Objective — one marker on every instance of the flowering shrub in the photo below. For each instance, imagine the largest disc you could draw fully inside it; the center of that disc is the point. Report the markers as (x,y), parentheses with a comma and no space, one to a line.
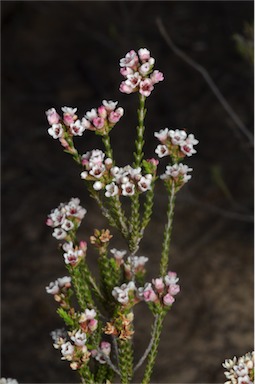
(98,342)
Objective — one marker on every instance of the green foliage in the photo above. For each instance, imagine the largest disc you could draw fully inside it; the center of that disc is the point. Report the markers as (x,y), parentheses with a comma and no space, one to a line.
(66,317)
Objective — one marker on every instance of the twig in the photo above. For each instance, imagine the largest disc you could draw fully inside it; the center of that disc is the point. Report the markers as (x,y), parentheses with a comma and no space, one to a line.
(109,362)
(208,79)
(147,351)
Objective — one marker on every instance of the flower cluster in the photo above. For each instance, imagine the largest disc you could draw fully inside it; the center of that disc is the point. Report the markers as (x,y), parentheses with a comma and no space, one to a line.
(67,217)
(68,124)
(135,264)
(125,294)
(161,290)
(74,254)
(175,143)
(137,68)
(177,173)
(60,289)
(103,119)
(115,180)
(121,327)
(241,370)
(75,349)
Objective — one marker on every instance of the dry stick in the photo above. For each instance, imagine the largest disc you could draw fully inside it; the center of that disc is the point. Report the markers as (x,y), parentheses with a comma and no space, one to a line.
(208,79)
(147,351)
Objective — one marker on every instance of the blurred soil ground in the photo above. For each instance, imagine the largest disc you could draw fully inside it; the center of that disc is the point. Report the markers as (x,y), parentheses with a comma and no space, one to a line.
(66,53)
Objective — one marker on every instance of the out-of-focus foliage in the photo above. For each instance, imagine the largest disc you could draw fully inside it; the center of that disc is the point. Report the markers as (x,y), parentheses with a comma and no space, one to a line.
(245,43)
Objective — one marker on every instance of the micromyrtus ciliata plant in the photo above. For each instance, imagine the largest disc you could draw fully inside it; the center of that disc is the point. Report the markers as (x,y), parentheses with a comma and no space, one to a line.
(98,342)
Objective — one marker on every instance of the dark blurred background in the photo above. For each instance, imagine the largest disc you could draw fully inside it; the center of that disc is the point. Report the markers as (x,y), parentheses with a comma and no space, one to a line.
(67,53)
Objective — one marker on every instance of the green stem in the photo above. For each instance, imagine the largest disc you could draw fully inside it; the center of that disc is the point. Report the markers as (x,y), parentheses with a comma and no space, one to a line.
(168,231)
(139,143)
(107,145)
(156,332)
(148,206)
(86,375)
(134,229)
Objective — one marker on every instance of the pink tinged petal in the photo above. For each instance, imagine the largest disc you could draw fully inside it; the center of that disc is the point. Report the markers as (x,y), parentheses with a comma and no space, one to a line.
(115,116)
(149,295)
(159,284)
(85,123)
(102,112)
(133,80)
(126,71)
(77,128)
(146,87)
(98,122)
(52,116)
(125,88)
(130,60)
(90,115)
(173,289)
(156,77)
(92,324)
(168,299)
(68,119)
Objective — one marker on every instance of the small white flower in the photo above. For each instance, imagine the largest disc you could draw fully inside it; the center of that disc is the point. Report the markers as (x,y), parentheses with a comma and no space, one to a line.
(77,128)
(85,123)
(144,183)
(90,314)
(62,281)
(177,136)
(191,139)
(162,134)
(188,149)
(144,69)
(71,111)
(161,150)
(118,254)
(56,131)
(110,105)
(79,338)
(128,189)
(90,115)
(97,170)
(133,80)
(144,54)
(67,225)
(111,190)
(67,350)
(72,256)
(59,233)
(53,288)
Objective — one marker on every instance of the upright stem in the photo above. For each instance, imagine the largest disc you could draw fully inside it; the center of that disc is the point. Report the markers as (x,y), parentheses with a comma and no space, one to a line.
(139,143)
(107,144)
(156,332)
(168,231)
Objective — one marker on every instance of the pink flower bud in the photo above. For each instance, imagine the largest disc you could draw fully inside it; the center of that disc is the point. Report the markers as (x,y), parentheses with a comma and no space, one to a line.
(149,295)
(159,284)
(49,222)
(68,119)
(102,111)
(115,116)
(83,246)
(153,161)
(168,299)
(52,116)
(92,324)
(98,122)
